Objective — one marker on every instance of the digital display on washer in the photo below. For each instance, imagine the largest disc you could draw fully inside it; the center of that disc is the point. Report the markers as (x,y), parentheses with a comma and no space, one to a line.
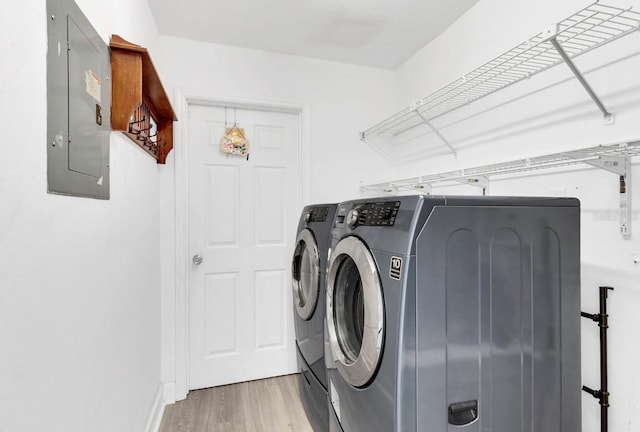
(379,213)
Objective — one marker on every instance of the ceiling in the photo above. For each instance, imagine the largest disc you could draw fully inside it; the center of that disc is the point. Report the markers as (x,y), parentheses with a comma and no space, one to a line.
(377,33)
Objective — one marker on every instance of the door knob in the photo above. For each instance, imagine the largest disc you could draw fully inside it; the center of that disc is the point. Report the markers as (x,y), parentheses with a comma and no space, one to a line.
(197,259)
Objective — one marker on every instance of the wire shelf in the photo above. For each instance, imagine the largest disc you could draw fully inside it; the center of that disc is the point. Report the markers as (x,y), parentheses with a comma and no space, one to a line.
(591,155)
(590,28)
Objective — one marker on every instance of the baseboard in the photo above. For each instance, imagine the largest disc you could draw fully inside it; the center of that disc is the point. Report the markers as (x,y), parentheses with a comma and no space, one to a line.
(169,390)
(157,410)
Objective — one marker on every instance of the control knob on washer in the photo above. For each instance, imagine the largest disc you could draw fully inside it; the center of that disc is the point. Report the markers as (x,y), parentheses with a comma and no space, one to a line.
(352,218)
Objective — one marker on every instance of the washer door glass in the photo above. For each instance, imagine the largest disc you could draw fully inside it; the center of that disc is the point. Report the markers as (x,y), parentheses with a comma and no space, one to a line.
(305,269)
(355,311)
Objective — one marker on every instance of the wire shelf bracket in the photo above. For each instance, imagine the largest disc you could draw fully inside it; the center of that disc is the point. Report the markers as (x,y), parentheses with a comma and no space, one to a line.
(481,182)
(592,27)
(613,158)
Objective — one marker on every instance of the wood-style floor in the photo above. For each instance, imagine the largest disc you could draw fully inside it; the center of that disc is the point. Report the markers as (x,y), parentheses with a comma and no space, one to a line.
(269,405)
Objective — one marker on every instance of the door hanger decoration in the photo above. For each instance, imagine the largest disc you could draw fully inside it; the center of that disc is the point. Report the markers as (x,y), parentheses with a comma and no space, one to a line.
(233,140)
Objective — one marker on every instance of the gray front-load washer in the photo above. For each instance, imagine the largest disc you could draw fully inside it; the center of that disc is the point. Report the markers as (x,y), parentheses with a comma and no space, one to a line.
(308,268)
(455,314)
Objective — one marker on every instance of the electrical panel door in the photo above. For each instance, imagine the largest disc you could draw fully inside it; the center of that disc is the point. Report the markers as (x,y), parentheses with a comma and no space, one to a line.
(78,101)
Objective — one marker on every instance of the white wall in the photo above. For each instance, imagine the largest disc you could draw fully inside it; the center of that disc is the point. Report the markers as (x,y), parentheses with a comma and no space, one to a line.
(79,278)
(548,113)
(339,101)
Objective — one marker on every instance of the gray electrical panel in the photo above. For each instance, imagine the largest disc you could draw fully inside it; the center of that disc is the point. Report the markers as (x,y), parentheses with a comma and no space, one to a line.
(78,103)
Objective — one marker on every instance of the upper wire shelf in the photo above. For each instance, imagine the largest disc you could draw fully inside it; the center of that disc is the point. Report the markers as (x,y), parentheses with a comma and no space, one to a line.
(590,28)
(606,156)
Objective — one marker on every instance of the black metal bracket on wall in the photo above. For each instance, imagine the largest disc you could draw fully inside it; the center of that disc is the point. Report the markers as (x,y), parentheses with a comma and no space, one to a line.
(602,395)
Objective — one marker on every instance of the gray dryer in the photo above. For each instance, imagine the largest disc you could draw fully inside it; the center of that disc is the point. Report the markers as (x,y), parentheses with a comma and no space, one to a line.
(308,268)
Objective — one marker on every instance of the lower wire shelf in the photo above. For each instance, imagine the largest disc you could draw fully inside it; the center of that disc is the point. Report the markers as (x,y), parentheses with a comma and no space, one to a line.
(615,158)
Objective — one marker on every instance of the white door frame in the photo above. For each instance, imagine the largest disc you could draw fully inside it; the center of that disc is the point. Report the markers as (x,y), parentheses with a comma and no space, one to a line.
(179,389)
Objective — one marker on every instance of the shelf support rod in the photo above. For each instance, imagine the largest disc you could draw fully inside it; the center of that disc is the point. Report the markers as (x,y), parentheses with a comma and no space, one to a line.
(609,118)
(437,132)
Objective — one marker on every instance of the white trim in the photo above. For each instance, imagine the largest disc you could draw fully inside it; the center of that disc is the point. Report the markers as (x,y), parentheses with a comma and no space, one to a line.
(181,183)
(246,103)
(169,393)
(156,413)
(305,155)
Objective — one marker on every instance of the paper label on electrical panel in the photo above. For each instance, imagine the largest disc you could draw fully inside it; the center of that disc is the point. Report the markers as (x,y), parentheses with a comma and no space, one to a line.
(395,268)
(93,86)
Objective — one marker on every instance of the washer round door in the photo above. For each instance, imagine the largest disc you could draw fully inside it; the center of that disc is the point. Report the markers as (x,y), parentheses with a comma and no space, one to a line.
(355,311)
(305,268)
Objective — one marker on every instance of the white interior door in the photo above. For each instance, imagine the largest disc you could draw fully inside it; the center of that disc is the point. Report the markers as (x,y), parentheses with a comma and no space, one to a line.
(242,222)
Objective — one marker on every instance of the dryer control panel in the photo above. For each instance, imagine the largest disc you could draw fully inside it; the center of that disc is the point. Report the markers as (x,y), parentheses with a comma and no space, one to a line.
(317,214)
